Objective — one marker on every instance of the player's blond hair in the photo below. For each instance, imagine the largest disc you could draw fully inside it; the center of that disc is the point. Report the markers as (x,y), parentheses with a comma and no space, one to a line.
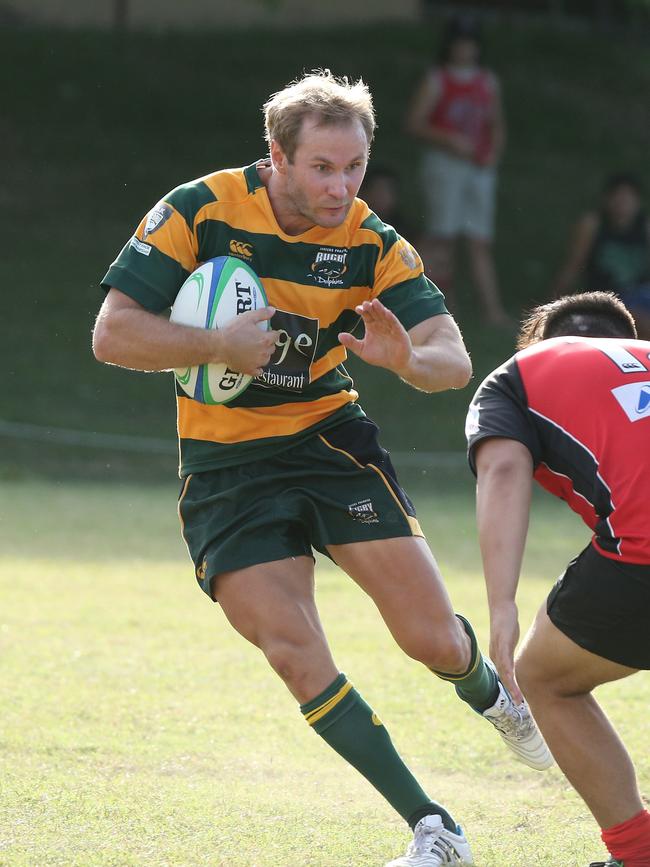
(333,101)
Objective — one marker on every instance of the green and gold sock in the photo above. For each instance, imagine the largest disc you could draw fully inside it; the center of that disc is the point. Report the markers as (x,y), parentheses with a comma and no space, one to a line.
(344,721)
(478,685)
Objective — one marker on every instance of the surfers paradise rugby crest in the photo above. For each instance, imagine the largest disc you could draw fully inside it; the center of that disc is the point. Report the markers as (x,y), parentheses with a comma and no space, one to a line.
(313,280)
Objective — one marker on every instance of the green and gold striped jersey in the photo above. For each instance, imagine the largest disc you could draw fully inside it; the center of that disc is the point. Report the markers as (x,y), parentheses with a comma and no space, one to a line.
(314,281)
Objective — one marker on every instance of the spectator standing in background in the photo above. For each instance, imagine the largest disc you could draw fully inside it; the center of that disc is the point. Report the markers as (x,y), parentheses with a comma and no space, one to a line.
(610,249)
(457,112)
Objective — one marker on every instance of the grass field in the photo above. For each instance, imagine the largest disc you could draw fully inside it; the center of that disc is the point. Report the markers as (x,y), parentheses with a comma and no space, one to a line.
(137,729)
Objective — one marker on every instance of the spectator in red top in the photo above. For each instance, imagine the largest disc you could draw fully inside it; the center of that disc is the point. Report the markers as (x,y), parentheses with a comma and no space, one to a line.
(457,111)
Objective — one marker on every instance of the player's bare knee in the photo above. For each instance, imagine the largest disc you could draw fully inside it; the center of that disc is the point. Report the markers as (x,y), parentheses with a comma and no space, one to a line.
(533,678)
(525,674)
(441,651)
(291,662)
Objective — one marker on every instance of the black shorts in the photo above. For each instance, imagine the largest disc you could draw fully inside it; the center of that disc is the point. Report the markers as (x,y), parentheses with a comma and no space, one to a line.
(331,489)
(603,605)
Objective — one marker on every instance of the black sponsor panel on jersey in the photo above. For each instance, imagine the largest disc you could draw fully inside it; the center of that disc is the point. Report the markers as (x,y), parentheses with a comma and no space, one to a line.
(289,368)
(334,381)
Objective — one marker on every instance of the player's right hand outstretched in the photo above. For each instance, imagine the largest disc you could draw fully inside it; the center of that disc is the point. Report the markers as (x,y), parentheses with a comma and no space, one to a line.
(243,346)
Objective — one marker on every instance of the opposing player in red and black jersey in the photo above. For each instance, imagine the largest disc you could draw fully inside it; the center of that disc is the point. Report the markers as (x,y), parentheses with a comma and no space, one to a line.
(572,410)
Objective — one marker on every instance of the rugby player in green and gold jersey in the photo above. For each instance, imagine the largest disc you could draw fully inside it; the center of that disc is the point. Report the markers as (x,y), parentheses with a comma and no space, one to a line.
(293,464)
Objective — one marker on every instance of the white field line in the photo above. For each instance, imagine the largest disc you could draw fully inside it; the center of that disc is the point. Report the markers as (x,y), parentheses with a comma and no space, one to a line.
(158,445)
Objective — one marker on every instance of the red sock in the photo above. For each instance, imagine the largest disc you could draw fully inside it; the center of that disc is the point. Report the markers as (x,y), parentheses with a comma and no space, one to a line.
(629,842)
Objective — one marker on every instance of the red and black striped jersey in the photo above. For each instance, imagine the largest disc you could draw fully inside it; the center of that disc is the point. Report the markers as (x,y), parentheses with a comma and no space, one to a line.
(581,405)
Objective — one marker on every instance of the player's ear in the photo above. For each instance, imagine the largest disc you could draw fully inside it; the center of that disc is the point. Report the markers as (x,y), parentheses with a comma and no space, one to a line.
(278,157)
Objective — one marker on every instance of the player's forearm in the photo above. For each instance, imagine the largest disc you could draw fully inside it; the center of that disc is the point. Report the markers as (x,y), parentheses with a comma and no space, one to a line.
(437,368)
(141,340)
(503,506)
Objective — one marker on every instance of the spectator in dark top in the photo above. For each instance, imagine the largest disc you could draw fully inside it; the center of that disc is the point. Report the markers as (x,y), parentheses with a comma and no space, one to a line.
(610,249)
(457,113)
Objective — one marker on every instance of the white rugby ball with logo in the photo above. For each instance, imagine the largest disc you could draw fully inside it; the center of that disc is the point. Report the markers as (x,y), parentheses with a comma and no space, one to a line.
(213,295)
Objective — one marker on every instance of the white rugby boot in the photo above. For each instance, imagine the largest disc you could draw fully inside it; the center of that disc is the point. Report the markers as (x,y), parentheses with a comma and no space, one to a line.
(434,846)
(519,731)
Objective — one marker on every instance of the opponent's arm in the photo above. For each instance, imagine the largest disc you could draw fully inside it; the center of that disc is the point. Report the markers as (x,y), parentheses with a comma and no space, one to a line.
(128,335)
(431,356)
(504,470)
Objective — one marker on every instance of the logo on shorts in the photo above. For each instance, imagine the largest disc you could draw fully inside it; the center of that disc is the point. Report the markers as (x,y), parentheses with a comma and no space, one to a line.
(329,266)
(241,248)
(363,512)
(158,216)
(202,569)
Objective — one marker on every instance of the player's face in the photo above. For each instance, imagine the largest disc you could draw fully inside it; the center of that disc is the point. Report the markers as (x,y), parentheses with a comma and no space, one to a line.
(320,184)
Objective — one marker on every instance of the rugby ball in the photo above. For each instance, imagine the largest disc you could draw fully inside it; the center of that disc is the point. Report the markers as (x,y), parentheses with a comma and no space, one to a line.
(218,291)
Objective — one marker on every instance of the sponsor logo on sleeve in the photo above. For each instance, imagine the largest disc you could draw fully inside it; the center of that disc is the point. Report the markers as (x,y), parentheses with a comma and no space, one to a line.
(408,255)
(634,399)
(157,217)
(140,246)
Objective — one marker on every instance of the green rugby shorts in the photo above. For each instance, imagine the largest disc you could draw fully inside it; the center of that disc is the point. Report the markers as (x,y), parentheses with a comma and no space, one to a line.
(331,489)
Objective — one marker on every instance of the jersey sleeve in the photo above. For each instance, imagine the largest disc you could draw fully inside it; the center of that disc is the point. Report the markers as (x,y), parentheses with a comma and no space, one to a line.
(400,282)
(500,409)
(155,262)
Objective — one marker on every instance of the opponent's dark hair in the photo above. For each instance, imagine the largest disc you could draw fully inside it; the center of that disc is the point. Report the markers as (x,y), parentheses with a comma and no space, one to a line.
(586,314)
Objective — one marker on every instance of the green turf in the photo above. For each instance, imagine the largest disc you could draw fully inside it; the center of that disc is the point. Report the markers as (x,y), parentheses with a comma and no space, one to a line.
(95,131)
(137,729)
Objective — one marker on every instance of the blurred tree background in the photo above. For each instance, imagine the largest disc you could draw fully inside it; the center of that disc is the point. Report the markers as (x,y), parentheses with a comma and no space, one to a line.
(98,125)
